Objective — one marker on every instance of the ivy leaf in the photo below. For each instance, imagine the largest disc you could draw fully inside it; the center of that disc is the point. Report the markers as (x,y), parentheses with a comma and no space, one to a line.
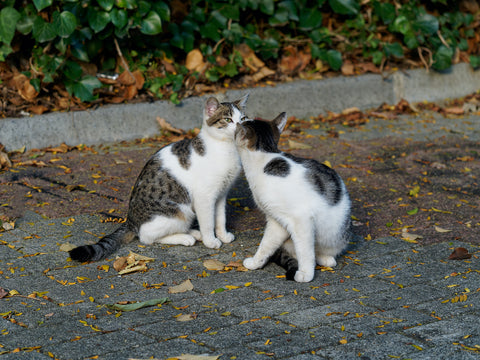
(152,24)
(64,23)
(345,7)
(98,20)
(119,17)
(137,305)
(442,58)
(475,61)
(83,89)
(43,31)
(310,19)
(427,23)
(394,49)
(334,59)
(42,4)
(106,4)
(8,21)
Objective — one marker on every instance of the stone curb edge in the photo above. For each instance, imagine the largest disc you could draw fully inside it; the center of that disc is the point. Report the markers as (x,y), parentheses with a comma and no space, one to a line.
(301,98)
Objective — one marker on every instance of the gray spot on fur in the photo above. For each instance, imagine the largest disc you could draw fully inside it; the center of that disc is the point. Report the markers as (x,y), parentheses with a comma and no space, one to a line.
(325,180)
(183,149)
(156,192)
(277,167)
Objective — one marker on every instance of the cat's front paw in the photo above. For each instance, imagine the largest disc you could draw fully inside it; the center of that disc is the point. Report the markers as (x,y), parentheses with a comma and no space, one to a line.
(250,263)
(227,237)
(212,243)
(301,276)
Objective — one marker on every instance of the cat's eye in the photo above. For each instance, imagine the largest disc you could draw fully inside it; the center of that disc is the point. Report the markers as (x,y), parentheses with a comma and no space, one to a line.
(244,118)
(228,120)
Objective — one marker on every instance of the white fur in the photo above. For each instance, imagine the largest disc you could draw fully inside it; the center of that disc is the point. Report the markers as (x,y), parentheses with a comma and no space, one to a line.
(294,210)
(207,180)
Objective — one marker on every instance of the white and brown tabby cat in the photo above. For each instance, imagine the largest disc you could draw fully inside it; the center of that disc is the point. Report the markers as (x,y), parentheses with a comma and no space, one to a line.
(306,203)
(182,180)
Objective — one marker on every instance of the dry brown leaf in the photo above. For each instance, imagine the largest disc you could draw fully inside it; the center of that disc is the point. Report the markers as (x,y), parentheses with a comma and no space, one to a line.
(456,110)
(3,293)
(213,264)
(348,69)
(249,58)
(130,92)
(131,263)
(194,61)
(460,253)
(126,78)
(294,60)
(165,125)
(294,145)
(197,357)
(37,163)
(441,230)
(5,162)
(8,225)
(186,317)
(63,148)
(262,73)
(24,88)
(180,288)
(37,109)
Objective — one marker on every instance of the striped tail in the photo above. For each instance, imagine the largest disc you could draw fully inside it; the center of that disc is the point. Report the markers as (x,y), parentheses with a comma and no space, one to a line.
(282,258)
(105,247)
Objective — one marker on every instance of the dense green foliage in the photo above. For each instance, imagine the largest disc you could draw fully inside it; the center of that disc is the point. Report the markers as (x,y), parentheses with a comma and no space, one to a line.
(56,36)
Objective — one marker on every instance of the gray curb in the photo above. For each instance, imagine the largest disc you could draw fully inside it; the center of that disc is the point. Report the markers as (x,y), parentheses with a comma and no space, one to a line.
(302,98)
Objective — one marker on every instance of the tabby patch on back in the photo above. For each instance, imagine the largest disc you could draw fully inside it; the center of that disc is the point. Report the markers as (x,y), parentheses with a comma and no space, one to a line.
(305,202)
(181,181)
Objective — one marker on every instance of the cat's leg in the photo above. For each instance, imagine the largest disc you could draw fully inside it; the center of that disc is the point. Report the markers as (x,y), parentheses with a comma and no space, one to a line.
(325,257)
(205,210)
(275,235)
(166,230)
(220,221)
(303,237)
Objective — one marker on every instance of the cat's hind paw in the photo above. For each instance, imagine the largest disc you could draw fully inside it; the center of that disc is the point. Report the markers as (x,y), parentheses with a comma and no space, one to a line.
(227,237)
(212,243)
(301,276)
(196,234)
(327,261)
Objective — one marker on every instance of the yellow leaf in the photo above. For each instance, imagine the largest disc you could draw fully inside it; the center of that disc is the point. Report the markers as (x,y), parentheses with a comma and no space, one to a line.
(441,230)
(327,163)
(343,341)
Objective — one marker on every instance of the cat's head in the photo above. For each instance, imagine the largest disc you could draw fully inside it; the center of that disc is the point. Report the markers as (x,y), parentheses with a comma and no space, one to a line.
(221,119)
(260,135)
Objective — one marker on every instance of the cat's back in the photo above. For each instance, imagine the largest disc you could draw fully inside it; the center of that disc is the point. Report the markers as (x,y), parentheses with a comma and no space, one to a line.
(304,177)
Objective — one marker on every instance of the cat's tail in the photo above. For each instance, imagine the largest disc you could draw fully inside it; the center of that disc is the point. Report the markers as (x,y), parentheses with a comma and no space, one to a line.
(105,247)
(282,258)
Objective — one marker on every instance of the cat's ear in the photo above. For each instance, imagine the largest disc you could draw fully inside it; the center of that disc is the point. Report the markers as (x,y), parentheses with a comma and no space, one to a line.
(280,121)
(242,102)
(211,105)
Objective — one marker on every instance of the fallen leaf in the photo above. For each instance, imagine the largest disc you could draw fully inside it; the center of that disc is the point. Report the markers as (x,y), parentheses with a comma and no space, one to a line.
(37,109)
(457,110)
(194,61)
(63,148)
(410,237)
(212,264)
(164,125)
(460,253)
(5,162)
(137,305)
(131,263)
(186,317)
(293,60)
(180,288)
(8,225)
(441,230)
(347,68)
(197,357)
(249,58)
(294,145)
(66,247)
(3,293)
(262,73)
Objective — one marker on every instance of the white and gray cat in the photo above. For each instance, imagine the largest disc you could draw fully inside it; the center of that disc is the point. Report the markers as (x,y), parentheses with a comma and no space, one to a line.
(306,203)
(182,180)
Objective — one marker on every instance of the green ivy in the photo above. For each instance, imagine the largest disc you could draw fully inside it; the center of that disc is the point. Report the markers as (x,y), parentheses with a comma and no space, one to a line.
(67,32)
